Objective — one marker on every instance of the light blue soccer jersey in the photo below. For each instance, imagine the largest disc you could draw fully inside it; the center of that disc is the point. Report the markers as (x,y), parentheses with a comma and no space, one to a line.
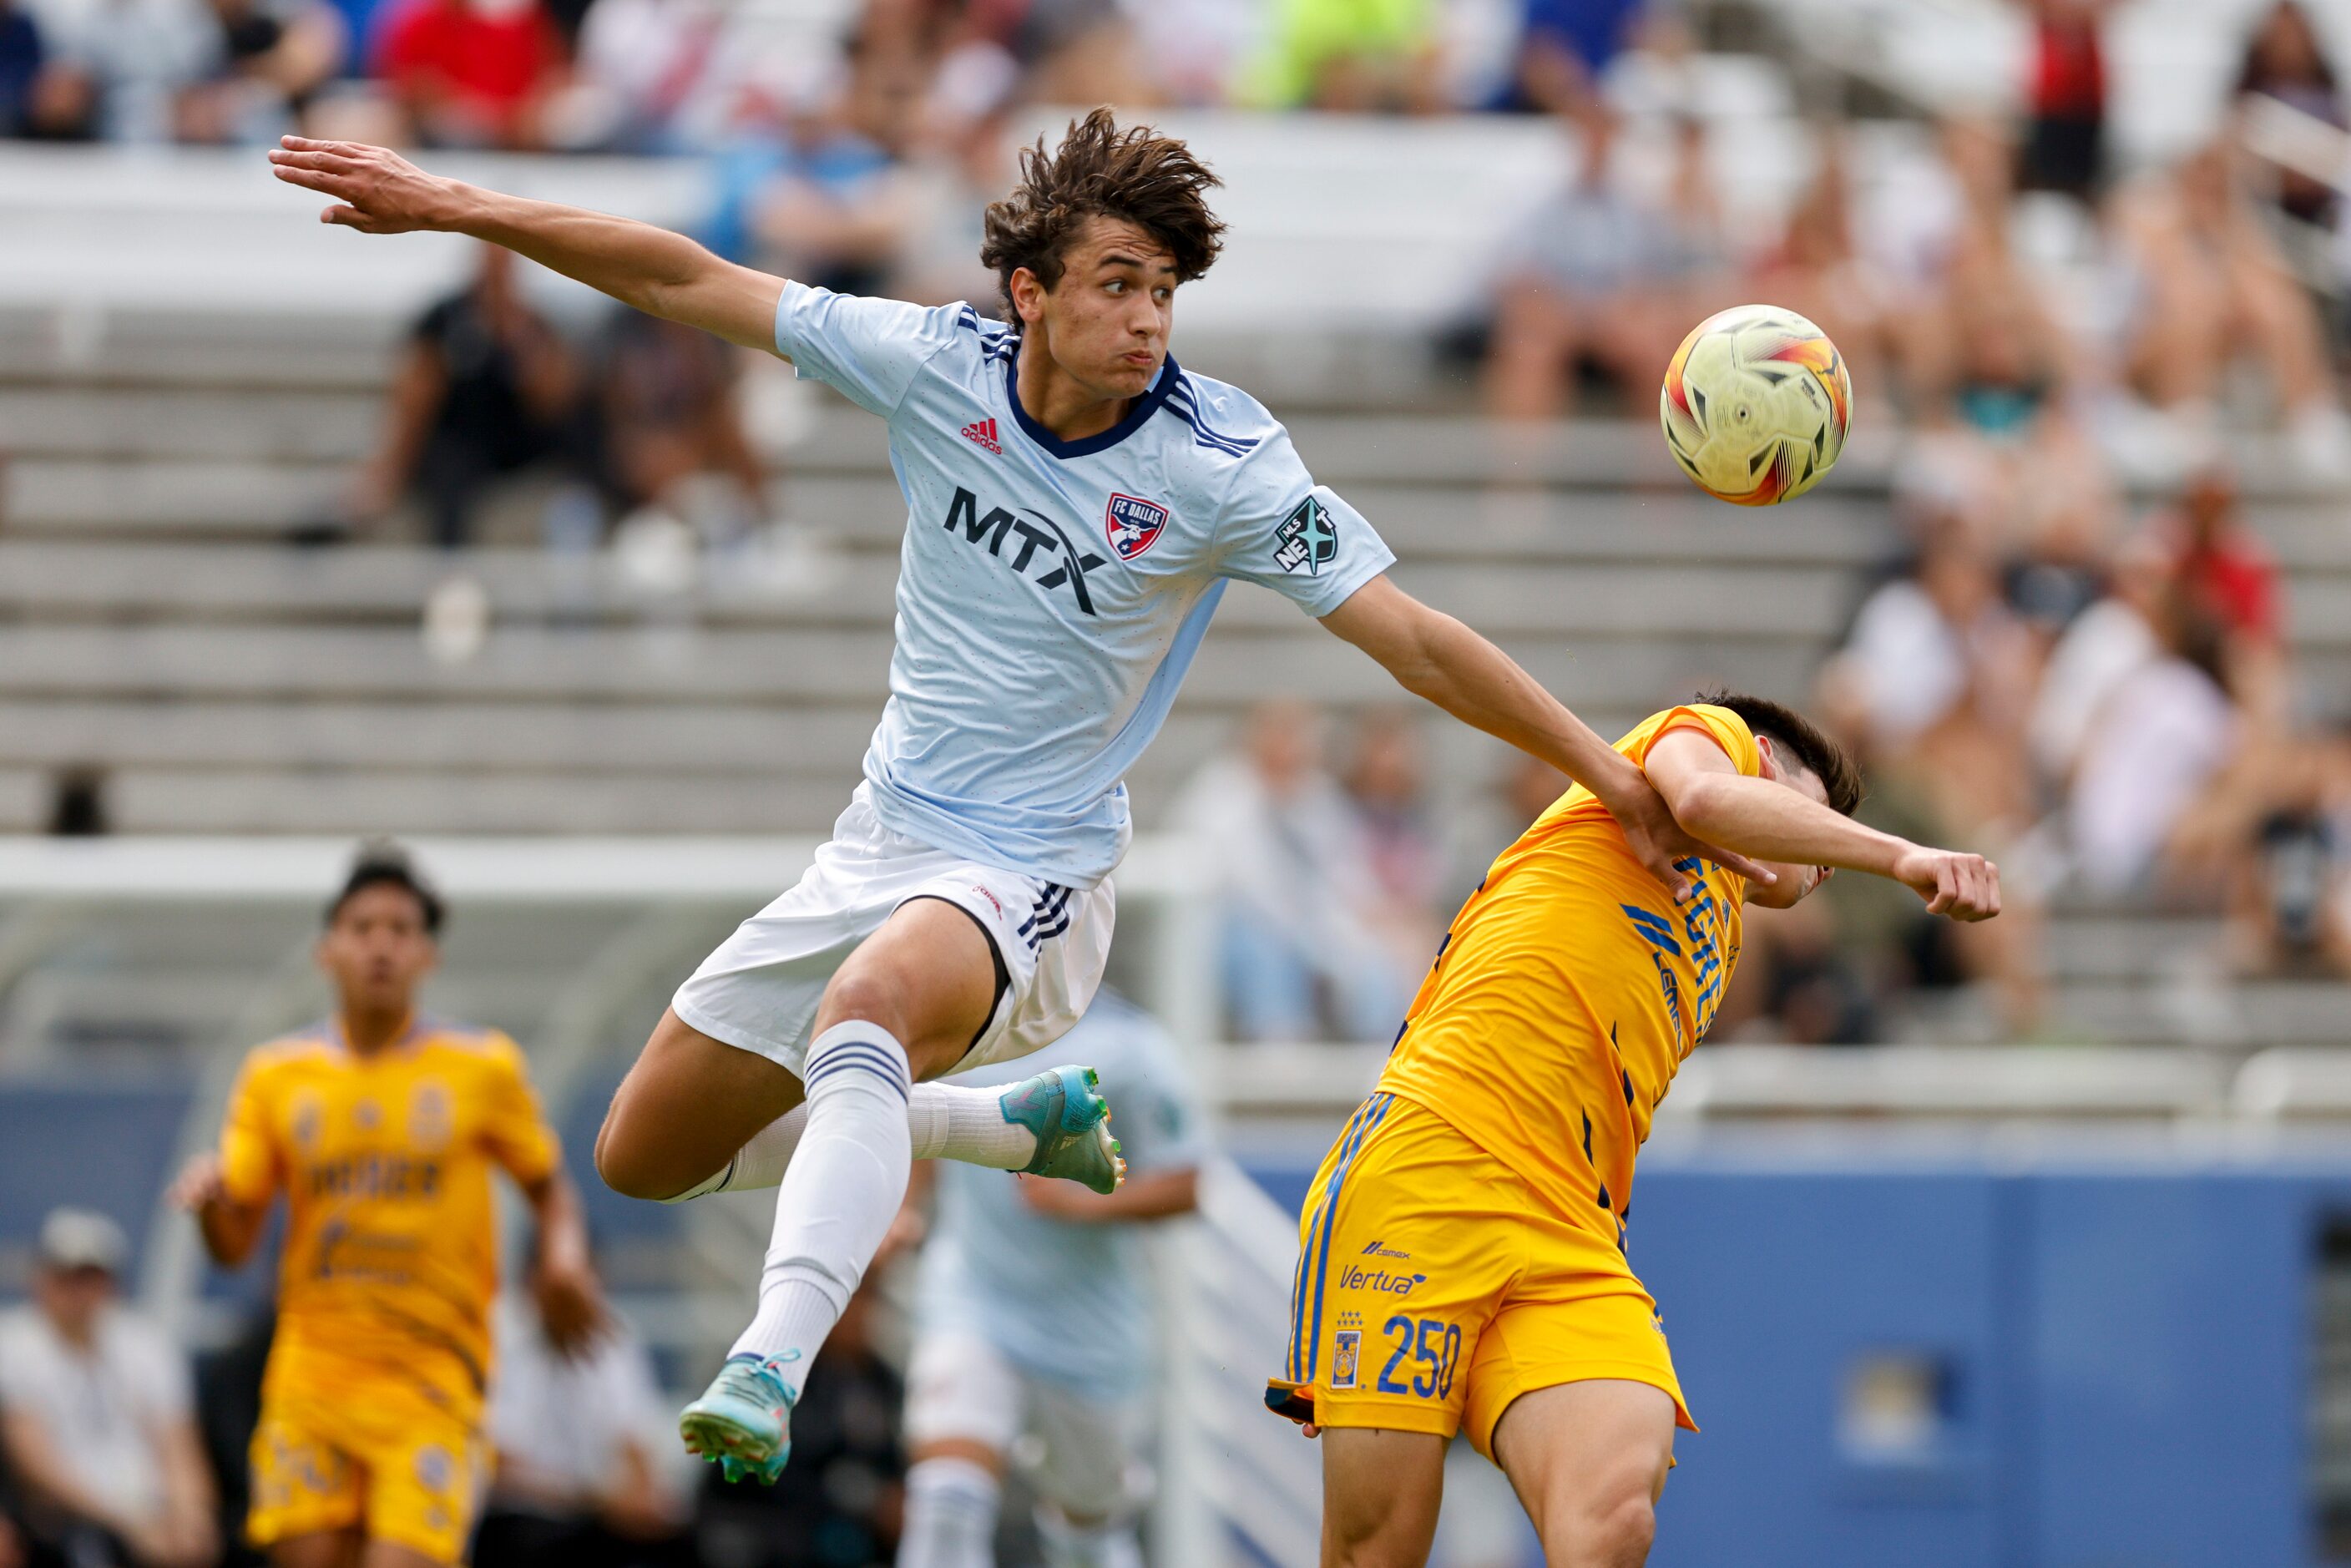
(1065,1301)
(1051,594)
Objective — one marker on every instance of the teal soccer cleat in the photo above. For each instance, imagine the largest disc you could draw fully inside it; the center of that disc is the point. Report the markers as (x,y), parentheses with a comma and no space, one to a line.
(1071,1124)
(743,1421)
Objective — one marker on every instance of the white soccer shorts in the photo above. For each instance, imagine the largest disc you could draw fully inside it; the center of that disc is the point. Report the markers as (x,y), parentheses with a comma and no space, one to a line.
(1078,1453)
(760,989)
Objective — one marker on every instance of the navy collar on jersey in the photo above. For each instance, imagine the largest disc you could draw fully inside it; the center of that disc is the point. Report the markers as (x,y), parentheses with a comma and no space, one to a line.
(1170,373)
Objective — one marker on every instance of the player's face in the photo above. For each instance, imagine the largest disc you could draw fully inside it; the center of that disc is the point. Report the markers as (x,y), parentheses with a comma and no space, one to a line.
(1106,321)
(378,952)
(1795,880)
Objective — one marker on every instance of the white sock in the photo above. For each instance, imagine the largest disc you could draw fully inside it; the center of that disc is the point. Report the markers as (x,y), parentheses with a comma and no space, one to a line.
(950,1515)
(837,1198)
(1069,1545)
(945,1122)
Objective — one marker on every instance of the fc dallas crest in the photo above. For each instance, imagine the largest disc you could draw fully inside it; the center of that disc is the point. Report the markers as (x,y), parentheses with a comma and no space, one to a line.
(1132,524)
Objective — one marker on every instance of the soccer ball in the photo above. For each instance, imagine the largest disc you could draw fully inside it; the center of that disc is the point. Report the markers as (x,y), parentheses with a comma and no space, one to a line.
(1755,405)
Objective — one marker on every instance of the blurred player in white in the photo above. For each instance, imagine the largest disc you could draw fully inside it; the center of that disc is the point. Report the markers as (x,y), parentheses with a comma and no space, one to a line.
(1034,1322)
(1076,503)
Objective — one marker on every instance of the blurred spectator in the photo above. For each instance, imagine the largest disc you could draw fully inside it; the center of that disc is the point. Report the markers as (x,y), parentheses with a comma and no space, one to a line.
(841,1502)
(644,69)
(2284,59)
(2065,129)
(1387,783)
(2291,901)
(1936,676)
(2104,645)
(670,412)
(271,58)
(1564,47)
(470,73)
(78,807)
(97,1414)
(23,62)
(1816,271)
(1354,56)
(579,1442)
(1066,51)
(1036,1339)
(1300,911)
(1196,50)
(486,388)
(2227,574)
(2165,736)
(938,262)
(119,65)
(1586,287)
(2226,578)
(2211,286)
(830,202)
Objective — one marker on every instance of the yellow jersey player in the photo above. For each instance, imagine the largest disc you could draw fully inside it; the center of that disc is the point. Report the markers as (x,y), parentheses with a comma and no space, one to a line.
(1463,1260)
(380,1128)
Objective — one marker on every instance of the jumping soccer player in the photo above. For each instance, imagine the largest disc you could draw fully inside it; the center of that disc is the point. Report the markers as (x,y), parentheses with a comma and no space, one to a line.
(1463,1257)
(1076,500)
(380,1127)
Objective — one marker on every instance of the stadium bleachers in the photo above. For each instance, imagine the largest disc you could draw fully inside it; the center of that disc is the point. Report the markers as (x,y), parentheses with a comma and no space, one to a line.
(163,435)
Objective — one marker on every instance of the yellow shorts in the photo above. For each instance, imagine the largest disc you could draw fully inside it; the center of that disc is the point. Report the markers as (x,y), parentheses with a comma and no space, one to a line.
(379,1458)
(1434,1287)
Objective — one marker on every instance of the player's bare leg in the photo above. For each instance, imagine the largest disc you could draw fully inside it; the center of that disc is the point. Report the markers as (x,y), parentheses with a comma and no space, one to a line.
(686,1105)
(1380,1497)
(321,1549)
(910,1001)
(1589,1460)
(696,1115)
(391,1554)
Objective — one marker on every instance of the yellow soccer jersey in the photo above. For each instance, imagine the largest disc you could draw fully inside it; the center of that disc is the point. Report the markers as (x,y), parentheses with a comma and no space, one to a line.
(1568,990)
(390,1259)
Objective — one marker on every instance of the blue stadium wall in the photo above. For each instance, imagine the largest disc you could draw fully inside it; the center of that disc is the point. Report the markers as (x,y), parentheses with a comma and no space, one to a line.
(2122,1347)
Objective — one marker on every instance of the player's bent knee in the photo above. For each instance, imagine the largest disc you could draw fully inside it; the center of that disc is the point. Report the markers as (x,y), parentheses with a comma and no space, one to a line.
(1613,1533)
(635,1165)
(1621,1537)
(867,994)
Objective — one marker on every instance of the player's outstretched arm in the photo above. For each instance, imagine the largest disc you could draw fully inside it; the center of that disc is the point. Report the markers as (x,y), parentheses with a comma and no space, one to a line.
(1435,656)
(378,191)
(1770,821)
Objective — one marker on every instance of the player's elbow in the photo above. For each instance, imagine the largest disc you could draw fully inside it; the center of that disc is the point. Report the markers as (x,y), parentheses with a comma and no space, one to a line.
(1706,805)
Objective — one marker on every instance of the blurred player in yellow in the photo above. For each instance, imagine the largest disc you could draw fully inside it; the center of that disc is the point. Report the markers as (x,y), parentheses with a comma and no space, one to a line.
(380,1128)
(1463,1259)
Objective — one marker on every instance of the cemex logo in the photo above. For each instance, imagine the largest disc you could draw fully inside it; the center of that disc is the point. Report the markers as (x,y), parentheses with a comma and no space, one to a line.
(1025,541)
(982,432)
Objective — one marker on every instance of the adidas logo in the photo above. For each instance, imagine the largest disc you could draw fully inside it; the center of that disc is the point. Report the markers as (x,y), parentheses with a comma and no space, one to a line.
(983,434)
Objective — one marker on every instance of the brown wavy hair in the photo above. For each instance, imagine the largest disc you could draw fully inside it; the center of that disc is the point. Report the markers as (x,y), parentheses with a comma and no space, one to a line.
(1151,181)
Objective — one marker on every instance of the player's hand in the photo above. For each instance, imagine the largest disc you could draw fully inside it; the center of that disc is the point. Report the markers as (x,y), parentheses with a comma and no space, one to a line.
(570,1306)
(379,192)
(1657,841)
(1965,887)
(200,1185)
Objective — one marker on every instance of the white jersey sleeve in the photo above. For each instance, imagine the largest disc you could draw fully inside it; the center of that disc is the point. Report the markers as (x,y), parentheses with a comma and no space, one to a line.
(869,350)
(1279,529)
